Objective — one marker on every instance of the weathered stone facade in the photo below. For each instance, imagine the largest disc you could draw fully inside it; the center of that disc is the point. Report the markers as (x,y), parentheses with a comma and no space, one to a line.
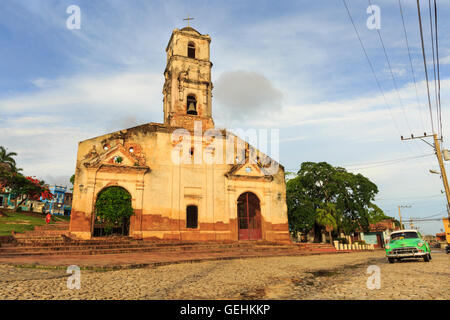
(141,160)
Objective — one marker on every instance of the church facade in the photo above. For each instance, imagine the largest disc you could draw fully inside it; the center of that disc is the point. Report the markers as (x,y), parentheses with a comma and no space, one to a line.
(187,179)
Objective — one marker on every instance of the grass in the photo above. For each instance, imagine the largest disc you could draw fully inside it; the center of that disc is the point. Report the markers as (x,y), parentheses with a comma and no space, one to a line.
(21,222)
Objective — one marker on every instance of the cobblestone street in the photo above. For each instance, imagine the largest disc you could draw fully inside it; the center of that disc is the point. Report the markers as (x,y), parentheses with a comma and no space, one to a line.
(306,277)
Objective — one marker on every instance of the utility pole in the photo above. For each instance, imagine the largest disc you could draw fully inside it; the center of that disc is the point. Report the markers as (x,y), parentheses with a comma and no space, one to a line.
(400,214)
(437,150)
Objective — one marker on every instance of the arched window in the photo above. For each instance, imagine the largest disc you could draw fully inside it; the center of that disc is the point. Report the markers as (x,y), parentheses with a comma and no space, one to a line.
(191,105)
(192,217)
(191,50)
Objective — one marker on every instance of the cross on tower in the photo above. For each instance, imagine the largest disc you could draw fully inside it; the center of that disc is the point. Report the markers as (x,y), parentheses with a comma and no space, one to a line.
(188,19)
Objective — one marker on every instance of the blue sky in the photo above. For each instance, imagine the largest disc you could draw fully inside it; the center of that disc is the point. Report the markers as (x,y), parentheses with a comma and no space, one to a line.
(61,86)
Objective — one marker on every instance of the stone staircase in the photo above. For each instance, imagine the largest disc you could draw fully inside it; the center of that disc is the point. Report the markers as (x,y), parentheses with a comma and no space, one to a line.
(46,232)
(53,240)
(53,245)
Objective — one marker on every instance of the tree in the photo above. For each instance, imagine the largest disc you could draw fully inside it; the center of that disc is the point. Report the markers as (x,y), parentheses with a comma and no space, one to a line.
(18,185)
(113,205)
(72,181)
(6,159)
(332,198)
(301,210)
(29,188)
(325,218)
(7,166)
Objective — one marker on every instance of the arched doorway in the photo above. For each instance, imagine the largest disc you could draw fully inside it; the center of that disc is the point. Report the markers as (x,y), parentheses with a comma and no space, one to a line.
(112,212)
(249,217)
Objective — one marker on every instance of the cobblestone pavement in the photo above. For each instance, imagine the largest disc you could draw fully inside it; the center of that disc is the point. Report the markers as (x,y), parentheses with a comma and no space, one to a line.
(305,277)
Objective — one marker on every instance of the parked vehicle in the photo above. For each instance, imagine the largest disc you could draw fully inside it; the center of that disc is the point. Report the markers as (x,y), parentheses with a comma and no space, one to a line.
(407,244)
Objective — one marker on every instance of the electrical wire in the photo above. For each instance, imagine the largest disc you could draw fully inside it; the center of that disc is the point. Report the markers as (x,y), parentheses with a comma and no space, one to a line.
(425,65)
(373,71)
(434,65)
(438,69)
(392,160)
(411,64)
(394,81)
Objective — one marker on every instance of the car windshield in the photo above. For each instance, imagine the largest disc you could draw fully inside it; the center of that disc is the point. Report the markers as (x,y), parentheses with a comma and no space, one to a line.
(404,235)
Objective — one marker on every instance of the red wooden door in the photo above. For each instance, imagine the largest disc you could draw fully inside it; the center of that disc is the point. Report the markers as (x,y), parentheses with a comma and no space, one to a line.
(249,217)
(380,242)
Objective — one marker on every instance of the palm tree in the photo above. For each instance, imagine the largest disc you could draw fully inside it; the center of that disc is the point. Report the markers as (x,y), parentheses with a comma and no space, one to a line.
(325,218)
(7,157)
(7,161)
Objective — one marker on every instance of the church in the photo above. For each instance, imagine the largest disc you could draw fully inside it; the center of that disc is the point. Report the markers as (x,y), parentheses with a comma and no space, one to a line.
(187,179)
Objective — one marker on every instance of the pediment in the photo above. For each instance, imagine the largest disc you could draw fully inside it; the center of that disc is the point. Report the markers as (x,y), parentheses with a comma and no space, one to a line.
(248,171)
(117,156)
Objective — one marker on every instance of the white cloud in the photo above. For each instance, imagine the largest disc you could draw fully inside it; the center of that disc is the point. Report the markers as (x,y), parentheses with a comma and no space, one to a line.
(107,92)
(445,60)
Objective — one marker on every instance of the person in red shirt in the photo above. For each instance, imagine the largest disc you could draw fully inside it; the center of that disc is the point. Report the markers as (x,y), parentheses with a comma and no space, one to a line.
(48,217)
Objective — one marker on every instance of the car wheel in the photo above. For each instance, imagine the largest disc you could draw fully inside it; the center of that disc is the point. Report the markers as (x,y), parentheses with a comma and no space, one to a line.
(426,258)
(391,260)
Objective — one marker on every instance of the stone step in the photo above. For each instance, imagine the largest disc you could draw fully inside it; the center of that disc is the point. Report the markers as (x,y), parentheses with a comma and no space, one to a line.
(137,250)
(52,227)
(156,247)
(49,232)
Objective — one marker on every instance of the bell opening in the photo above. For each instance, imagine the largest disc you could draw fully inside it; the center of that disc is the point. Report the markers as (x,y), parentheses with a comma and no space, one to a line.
(192,105)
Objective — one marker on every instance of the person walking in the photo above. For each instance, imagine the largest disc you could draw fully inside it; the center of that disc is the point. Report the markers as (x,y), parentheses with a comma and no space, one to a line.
(48,217)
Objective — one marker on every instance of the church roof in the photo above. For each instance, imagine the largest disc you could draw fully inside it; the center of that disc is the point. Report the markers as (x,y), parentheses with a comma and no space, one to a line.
(190,29)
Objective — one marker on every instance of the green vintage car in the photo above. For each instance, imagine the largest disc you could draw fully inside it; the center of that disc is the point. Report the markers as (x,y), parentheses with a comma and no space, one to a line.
(407,244)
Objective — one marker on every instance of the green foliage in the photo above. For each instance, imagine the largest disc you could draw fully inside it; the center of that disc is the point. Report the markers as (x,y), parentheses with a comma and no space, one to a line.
(325,215)
(113,205)
(325,196)
(7,160)
(301,210)
(72,181)
(16,183)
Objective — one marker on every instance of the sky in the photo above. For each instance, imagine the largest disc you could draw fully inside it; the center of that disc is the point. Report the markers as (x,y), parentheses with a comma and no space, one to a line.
(294,66)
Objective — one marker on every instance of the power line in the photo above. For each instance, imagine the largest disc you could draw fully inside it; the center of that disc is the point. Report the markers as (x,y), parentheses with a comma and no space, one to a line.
(379,165)
(410,197)
(372,69)
(434,64)
(411,64)
(392,74)
(438,71)
(394,81)
(383,162)
(392,160)
(425,64)
(375,164)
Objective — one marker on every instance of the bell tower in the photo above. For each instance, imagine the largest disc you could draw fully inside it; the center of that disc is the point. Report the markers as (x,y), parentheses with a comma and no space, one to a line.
(188,88)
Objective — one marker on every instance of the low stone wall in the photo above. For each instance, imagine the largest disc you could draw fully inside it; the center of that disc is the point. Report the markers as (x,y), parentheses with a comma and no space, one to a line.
(353,246)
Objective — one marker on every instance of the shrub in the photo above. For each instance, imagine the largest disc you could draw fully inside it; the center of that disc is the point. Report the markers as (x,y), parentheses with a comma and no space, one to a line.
(113,205)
